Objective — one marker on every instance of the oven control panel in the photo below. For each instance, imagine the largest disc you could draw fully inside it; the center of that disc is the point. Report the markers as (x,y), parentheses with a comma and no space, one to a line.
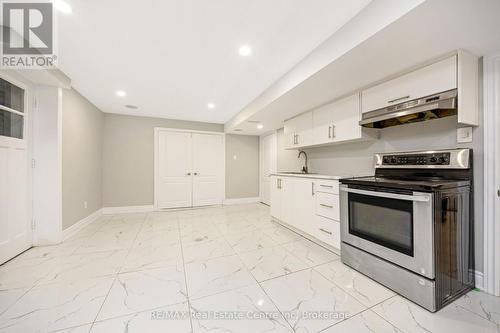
(430,159)
(417,159)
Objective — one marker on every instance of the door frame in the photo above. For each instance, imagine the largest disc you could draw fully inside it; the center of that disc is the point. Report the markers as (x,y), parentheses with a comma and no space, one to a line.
(157,130)
(29,106)
(491,219)
(275,157)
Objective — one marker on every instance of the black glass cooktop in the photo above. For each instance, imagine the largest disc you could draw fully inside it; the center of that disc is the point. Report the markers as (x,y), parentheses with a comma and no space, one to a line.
(409,183)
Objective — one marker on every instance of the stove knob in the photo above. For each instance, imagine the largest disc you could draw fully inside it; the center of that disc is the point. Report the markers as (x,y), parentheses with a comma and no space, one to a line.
(394,160)
(433,159)
(442,160)
(386,159)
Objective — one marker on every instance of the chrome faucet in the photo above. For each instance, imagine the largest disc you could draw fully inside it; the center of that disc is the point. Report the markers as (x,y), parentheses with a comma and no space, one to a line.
(304,168)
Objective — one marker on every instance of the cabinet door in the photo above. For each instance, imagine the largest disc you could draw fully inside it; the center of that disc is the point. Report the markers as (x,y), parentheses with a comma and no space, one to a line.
(289,131)
(438,77)
(322,124)
(276,198)
(303,205)
(303,129)
(346,115)
(286,192)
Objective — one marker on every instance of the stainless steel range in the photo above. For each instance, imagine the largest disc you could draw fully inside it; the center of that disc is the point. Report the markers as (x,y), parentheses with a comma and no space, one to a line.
(410,227)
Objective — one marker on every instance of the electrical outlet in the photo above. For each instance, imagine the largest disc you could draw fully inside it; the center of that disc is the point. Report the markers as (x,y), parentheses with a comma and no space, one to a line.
(464,135)
(85,204)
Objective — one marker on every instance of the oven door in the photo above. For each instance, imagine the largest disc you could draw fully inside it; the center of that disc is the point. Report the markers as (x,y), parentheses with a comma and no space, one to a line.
(396,226)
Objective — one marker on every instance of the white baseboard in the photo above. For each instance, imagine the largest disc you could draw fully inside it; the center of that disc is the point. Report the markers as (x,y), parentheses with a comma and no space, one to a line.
(479,280)
(128,209)
(68,232)
(239,201)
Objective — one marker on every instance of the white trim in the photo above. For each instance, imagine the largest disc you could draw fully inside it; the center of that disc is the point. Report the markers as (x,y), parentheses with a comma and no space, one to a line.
(491,220)
(187,130)
(128,209)
(479,280)
(68,232)
(274,154)
(240,201)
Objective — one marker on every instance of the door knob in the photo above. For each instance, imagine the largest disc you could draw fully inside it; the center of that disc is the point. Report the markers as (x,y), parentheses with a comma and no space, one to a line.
(188,174)
(196,173)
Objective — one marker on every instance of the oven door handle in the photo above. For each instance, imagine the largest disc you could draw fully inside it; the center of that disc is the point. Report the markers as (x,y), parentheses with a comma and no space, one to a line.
(419,198)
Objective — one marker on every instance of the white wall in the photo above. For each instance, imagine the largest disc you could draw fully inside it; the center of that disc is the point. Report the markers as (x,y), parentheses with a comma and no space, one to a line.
(47,184)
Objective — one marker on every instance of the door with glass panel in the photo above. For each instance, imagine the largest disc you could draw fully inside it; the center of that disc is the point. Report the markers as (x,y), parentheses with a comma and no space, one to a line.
(15,231)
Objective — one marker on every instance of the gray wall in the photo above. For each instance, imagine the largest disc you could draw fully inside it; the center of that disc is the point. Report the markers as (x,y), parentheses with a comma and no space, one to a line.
(128,157)
(82,129)
(242,166)
(356,159)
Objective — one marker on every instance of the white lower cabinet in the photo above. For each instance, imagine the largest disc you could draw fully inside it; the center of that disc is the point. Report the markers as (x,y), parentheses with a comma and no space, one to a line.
(308,205)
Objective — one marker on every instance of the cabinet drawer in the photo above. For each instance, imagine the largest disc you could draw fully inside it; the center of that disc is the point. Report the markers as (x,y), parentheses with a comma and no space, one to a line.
(327,231)
(327,205)
(326,186)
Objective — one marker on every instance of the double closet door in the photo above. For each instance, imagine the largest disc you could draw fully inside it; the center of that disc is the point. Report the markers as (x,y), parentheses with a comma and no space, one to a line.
(189,169)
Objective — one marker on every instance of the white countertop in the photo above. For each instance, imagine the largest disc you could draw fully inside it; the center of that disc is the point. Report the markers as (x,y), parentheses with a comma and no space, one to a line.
(309,175)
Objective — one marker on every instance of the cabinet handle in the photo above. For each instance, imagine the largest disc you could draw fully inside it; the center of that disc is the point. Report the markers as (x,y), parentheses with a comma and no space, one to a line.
(312,188)
(398,99)
(188,174)
(329,132)
(326,231)
(333,131)
(328,186)
(196,173)
(327,206)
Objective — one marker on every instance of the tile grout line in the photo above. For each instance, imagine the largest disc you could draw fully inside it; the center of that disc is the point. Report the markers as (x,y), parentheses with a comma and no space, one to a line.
(264,291)
(185,276)
(116,276)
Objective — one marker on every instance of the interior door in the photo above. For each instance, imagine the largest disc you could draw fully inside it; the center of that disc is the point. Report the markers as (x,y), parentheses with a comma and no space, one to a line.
(208,169)
(267,166)
(15,231)
(173,175)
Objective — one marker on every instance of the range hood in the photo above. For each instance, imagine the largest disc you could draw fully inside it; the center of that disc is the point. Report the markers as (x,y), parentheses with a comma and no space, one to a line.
(427,108)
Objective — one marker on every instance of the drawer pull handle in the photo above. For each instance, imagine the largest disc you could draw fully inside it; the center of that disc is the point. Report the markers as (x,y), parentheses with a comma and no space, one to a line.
(328,186)
(326,231)
(327,206)
(399,99)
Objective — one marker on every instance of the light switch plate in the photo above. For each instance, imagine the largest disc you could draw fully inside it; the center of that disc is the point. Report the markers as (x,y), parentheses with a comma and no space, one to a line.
(464,135)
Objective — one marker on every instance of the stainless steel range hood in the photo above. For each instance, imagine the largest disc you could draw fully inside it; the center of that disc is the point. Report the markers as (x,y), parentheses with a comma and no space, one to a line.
(427,108)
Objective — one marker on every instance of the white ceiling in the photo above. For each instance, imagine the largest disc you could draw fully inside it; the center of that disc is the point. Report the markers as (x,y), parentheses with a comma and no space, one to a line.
(173,57)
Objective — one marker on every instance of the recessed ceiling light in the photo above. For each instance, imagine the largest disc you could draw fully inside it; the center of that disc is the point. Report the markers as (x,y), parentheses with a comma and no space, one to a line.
(238,130)
(245,50)
(260,126)
(130,106)
(121,93)
(62,6)
(211,105)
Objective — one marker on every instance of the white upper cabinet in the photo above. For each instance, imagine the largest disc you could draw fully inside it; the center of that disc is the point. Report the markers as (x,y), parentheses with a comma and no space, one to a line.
(459,71)
(432,79)
(298,131)
(338,121)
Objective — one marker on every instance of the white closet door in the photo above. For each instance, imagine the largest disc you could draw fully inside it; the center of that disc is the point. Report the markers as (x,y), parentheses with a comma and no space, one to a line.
(174,176)
(208,169)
